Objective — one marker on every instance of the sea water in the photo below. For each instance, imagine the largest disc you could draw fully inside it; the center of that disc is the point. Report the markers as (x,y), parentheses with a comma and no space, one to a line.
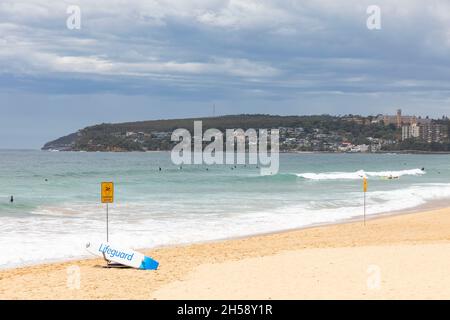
(57,205)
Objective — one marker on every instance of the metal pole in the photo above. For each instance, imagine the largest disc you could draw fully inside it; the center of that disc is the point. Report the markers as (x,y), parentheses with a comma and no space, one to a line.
(364,208)
(107,222)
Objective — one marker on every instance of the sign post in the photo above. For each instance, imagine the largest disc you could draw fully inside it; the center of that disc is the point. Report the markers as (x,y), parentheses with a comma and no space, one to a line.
(364,191)
(107,192)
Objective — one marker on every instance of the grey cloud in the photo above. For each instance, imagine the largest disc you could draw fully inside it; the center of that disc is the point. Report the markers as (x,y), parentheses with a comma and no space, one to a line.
(245,49)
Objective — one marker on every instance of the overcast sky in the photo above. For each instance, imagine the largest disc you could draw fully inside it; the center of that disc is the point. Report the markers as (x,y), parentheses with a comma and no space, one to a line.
(138,60)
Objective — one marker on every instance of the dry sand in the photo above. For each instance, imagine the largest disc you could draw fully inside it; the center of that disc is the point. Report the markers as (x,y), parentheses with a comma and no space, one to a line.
(404,256)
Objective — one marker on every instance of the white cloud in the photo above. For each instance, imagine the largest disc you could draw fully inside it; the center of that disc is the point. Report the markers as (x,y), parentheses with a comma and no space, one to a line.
(45,62)
(246,13)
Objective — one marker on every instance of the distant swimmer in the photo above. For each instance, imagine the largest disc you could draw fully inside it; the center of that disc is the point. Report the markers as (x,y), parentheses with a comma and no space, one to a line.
(160,169)
(423,169)
(12,199)
(46,180)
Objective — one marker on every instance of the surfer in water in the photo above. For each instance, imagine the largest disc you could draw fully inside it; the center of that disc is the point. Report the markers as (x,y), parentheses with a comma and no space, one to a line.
(12,199)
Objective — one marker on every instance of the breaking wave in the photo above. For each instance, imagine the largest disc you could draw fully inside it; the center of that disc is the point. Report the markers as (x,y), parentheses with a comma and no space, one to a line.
(360,174)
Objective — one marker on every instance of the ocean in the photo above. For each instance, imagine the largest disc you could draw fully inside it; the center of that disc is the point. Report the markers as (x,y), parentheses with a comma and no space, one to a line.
(57,207)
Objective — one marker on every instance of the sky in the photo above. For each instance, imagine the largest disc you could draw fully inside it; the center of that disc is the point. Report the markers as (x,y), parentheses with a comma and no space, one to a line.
(136,60)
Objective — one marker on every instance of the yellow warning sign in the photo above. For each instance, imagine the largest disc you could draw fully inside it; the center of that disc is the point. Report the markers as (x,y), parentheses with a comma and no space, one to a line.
(107,192)
(365,184)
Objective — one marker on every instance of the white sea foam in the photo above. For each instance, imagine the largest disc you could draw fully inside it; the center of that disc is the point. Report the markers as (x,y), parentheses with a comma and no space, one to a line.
(359,174)
(49,236)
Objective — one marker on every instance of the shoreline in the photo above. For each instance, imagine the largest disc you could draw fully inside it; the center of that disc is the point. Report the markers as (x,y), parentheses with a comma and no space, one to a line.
(183,267)
(393,152)
(431,206)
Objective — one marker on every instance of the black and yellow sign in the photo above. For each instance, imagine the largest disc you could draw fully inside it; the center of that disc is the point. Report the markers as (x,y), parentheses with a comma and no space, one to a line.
(107,192)
(365,184)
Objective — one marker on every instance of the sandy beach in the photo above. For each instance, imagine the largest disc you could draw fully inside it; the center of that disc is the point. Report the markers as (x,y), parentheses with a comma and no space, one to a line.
(395,257)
